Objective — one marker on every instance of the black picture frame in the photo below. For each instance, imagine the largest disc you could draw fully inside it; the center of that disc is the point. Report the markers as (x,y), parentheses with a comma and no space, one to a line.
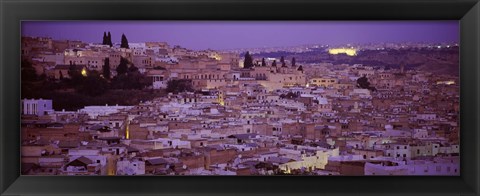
(14,11)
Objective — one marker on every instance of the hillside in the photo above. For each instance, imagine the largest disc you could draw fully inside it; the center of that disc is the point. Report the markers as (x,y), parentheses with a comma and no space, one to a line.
(439,61)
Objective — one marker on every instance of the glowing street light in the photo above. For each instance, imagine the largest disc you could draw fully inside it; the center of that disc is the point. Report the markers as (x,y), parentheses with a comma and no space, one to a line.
(84,72)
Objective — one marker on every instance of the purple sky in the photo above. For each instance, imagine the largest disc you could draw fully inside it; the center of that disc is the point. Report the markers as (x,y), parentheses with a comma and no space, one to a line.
(248,34)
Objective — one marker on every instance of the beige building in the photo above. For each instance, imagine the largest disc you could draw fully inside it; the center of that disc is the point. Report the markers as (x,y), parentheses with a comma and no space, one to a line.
(323,82)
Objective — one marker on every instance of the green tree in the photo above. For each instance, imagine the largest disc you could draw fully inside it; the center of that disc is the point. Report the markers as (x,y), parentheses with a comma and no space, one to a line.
(28,73)
(104,42)
(248,62)
(124,42)
(181,85)
(109,40)
(106,69)
(289,95)
(282,60)
(75,75)
(263,62)
(300,68)
(293,62)
(122,68)
(138,80)
(363,83)
(132,79)
(93,85)
(132,68)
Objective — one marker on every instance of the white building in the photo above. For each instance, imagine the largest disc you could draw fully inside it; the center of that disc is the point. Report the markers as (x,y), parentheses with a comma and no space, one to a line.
(92,153)
(94,111)
(37,107)
(399,151)
(443,166)
(130,167)
(362,93)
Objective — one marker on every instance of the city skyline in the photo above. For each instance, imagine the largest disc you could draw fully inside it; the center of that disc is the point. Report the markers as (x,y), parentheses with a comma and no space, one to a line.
(157,109)
(222,35)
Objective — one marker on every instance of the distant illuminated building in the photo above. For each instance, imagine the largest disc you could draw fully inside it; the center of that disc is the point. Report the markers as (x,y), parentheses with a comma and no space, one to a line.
(216,56)
(347,51)
(448,82)
(221,99)
(127,130)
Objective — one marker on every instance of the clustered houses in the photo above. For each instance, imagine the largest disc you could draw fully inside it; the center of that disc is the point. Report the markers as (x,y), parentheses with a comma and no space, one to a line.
(266,120)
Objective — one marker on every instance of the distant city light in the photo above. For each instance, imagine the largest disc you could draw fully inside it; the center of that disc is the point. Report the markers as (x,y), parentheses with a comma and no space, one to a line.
(347,51)
(127,130)
(216,57)
(449,82)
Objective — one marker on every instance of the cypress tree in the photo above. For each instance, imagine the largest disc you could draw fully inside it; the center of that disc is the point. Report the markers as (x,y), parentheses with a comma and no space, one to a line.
(122,67)
(106,69)
(263,62)
(72,70)
(248,63)
(109,39)
(124,43)
(293,62)
(104,42)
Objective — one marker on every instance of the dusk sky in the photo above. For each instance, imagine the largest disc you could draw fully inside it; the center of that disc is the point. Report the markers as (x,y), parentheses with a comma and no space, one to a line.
(248,34)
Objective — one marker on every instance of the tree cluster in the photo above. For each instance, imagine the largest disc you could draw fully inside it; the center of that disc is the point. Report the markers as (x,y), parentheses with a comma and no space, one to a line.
(282,60)
(95,83)
(92,84)
(289,95)
(107,39)
(122,68)
(180,85)
(129,77)
(364,84)
(28,73)
(248,62)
